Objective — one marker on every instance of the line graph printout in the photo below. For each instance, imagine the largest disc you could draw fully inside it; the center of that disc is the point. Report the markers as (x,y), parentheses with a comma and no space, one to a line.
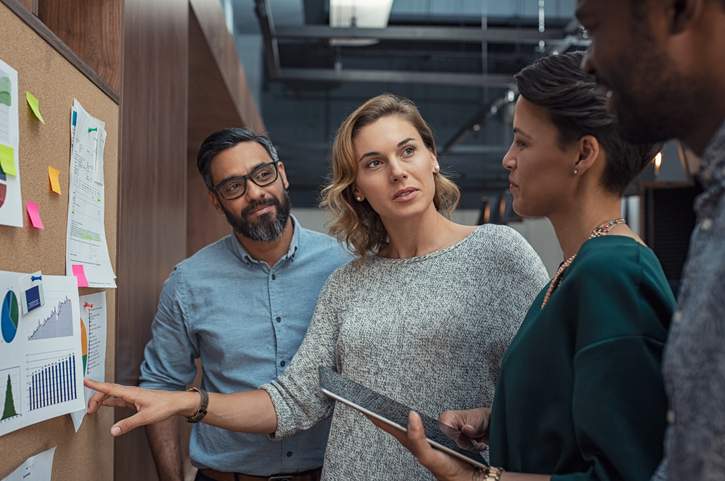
(41,367)
(94,320)
(86,235)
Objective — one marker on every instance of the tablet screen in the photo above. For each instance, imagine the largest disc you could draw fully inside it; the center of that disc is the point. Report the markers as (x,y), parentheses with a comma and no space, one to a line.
(391,412)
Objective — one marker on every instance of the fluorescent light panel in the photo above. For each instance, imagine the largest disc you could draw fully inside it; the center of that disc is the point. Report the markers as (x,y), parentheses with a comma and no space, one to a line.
(366,13)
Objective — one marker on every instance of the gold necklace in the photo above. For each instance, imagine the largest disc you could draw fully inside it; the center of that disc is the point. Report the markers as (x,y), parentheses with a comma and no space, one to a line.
(599,231)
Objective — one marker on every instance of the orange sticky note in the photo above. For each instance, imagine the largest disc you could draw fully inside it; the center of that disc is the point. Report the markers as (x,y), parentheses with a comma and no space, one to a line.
(34,214)
(80,274)
(53,175)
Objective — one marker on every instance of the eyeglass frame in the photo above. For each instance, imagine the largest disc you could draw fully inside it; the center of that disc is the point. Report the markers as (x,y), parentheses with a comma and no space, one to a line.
(248,177)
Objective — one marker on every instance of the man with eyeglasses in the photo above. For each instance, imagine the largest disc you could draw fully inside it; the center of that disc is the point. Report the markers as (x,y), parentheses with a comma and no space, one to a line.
(242,306)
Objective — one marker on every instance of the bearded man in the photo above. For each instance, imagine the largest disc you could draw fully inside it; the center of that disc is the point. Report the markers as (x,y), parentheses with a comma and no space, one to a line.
(242,306)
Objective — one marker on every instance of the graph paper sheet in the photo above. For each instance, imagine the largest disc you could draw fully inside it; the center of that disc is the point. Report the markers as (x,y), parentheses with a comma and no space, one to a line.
(41,358)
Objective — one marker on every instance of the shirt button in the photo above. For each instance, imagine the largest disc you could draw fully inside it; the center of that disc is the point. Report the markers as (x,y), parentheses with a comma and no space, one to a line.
(282,363)
(289,454)
(677,317)
(671,416)
(278,319)
(706,224)
(274,276)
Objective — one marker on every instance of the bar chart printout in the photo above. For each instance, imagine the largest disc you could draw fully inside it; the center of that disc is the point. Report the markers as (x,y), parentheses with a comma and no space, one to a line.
(41,352)
(52,381)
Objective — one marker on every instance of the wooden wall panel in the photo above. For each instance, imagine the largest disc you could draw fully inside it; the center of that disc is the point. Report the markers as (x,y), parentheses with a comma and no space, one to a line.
(152,218)
(92,29)
(218,98)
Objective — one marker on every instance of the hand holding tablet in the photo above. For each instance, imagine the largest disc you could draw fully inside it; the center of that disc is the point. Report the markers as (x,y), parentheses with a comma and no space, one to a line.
(394,414)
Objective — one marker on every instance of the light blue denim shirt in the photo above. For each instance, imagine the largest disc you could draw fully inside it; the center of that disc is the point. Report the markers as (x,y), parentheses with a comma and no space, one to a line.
(245,321)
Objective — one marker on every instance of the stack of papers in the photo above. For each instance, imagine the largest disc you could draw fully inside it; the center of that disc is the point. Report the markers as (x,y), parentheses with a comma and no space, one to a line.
(87,248)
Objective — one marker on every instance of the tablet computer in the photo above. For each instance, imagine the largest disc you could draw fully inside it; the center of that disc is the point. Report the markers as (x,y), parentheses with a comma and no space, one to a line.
(393,413)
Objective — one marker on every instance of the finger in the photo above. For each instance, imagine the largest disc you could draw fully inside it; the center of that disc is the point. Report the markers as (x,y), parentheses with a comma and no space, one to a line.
(130,423)
(109,388)
(473,431)
(417,442)
(116,402)
(96,402)
(452,419)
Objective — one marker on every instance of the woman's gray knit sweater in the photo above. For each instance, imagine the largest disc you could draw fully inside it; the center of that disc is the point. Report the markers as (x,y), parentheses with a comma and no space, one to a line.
(427,331)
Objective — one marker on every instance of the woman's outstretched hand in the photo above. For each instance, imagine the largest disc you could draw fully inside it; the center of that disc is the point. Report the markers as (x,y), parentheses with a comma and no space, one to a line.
(151,406)
(443,466)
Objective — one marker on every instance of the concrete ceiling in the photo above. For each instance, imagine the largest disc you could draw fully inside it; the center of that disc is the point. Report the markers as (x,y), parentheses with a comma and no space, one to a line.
(443,70)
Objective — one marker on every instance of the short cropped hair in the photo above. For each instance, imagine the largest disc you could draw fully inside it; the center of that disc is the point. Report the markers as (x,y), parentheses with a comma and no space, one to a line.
(226,139)
(577,107)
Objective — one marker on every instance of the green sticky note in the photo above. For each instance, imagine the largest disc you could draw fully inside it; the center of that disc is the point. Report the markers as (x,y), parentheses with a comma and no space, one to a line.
(5,89)
(34,106)
(7,160)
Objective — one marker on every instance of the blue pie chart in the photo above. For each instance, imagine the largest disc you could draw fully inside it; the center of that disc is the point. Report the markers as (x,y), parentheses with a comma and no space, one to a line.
(9,315)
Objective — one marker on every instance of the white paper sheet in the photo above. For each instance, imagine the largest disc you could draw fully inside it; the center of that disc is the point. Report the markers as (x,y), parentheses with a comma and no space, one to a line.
(35,468)
(86,234)
(94,317)
(41,361)
(11,203)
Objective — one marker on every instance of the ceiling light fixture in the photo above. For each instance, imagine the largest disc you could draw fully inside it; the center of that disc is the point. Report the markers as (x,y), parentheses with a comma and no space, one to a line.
(360,13)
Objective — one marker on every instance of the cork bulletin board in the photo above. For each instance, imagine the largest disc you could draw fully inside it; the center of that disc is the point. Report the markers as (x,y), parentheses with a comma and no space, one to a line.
(88,454)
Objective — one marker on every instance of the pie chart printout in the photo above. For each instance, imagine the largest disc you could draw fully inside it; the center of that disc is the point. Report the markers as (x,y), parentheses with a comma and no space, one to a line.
(9,317)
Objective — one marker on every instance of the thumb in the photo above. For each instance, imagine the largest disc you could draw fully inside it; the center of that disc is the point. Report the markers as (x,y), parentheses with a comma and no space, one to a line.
(124,426)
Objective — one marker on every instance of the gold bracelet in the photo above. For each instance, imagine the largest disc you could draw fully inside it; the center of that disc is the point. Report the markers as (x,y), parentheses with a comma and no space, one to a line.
(487,474)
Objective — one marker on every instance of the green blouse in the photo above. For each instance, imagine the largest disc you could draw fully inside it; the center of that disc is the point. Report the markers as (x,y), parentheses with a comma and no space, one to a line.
(581,394)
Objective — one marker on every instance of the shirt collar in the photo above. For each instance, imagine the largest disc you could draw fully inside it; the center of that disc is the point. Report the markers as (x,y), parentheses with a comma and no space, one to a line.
(242,253)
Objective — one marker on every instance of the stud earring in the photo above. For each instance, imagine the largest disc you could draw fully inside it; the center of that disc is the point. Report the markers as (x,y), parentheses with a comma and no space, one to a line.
(358,198)
(575,171)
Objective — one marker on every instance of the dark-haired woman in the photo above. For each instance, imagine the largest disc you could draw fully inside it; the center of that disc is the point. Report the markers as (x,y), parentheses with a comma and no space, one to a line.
(580,396)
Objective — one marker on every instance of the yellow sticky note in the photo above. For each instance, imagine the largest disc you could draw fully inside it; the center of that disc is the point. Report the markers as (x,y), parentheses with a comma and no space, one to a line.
(7,160)
(53,175)
(34,105)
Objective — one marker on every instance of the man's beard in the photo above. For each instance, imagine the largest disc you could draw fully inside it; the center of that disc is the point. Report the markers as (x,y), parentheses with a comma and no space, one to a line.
(267,227)
(648,110)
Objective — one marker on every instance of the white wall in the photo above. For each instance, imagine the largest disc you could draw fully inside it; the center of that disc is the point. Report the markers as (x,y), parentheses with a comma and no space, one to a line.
(538,232)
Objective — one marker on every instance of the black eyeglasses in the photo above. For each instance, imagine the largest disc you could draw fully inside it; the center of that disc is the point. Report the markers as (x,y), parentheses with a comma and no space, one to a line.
(235,187)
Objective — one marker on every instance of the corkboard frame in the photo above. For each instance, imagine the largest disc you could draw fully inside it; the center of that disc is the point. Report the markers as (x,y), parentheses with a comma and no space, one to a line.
(44,71)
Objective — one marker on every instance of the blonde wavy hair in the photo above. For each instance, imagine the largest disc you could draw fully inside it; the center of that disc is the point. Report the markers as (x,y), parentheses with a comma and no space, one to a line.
(356,223)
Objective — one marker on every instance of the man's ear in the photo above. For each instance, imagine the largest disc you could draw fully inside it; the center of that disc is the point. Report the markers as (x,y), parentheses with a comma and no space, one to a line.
(682,13)
(214,200)
(587,155)
(283,175)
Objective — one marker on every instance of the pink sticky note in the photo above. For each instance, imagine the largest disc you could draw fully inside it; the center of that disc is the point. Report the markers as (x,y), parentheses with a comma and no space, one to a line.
(34,214)
(80,274)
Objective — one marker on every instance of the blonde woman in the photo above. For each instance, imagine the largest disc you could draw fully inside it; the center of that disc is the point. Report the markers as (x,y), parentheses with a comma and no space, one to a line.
(423,316)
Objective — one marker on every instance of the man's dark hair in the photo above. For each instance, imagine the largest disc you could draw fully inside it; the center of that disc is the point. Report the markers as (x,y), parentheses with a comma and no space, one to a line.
(226,139)
(577,107)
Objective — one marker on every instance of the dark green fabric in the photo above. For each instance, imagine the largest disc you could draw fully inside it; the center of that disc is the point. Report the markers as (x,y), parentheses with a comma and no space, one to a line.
(581,394)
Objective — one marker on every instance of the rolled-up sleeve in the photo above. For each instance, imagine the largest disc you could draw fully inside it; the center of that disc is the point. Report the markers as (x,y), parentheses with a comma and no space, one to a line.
(169,356)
